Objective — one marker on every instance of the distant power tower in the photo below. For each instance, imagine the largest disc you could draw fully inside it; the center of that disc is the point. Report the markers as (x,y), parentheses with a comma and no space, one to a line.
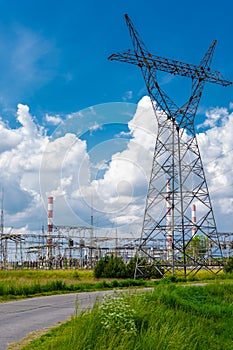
(177,183)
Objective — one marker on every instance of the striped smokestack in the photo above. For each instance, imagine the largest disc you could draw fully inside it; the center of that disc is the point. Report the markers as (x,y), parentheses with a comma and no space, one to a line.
(50,231)
(50,215)
(194,219)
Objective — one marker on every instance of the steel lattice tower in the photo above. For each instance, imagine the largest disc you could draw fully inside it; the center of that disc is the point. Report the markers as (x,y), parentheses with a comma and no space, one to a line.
(177,181)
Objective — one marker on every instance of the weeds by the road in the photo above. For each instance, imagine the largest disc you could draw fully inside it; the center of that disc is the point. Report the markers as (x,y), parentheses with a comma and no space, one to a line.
(169,318)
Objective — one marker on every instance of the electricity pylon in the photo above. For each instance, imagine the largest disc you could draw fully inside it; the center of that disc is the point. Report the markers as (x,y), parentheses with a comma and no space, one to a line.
(177,182)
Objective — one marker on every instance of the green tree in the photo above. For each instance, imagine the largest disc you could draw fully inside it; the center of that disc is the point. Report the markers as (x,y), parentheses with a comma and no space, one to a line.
(130,267)
(197,247)
(100,267)
(115,267)
(110,267)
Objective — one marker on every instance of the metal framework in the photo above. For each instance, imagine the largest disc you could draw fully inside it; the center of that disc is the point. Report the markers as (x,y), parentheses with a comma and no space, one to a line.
(177,179)
(71,247)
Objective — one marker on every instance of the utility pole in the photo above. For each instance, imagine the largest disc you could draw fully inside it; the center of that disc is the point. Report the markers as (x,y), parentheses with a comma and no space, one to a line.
(176,159)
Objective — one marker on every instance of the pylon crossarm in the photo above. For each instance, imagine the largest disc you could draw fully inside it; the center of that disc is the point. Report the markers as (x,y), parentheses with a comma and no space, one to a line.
(127,57)
(186,70)
(149,75)
(171,66)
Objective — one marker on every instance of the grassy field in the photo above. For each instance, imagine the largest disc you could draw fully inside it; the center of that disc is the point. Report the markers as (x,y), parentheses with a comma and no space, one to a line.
(15,284)
(172,317)
(29,283)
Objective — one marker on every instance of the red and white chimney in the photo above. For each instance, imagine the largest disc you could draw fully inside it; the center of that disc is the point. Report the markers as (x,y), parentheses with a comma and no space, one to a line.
(50,229)
(50,215)
(168,222)
(194,220)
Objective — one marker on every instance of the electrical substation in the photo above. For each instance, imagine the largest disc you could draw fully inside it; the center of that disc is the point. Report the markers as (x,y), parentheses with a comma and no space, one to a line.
(179,231)
(60,247)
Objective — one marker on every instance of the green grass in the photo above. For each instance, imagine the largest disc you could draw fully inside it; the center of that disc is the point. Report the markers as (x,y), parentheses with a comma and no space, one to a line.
(22,284)
(27,274)
(15,284)
(172,317)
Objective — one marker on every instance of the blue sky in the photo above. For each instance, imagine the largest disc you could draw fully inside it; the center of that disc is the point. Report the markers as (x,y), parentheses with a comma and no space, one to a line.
(54,53)
(54,68)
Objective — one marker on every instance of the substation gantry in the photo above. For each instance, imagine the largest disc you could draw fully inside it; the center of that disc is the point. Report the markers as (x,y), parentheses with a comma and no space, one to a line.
(177,182)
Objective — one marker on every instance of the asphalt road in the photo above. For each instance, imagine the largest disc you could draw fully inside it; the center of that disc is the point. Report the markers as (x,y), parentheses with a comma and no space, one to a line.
(18,318)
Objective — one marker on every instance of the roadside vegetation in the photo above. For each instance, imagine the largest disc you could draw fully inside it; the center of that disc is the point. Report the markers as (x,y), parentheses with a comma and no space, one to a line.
(109,273)
(171,317)
(29,283)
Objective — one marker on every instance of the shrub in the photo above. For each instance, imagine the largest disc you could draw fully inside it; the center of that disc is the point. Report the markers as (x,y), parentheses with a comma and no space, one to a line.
(110,267)
(100,267)
(228,267)
(114,267)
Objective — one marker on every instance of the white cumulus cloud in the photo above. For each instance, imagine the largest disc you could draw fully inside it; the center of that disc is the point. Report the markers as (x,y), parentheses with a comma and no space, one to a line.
(34,166)
(54,120)
(216,146)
